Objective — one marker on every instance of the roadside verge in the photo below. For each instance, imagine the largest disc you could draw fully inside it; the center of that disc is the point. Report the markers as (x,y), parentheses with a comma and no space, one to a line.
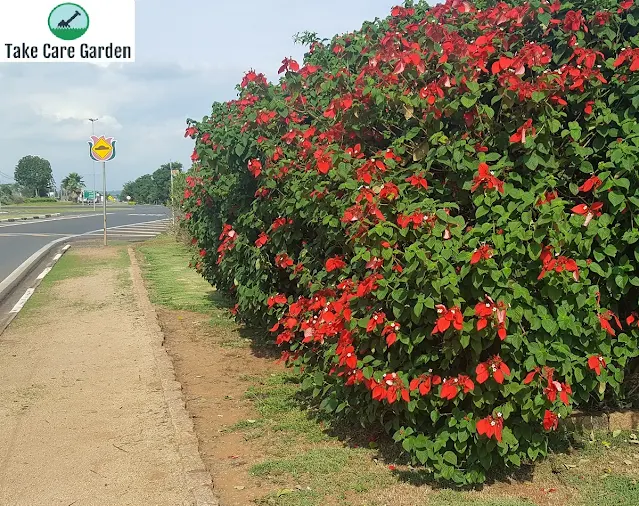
(27,218)
(91,413)
(198,478)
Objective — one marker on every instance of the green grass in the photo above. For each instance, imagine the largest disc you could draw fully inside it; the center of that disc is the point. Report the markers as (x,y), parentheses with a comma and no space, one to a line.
(453,498)
(175,286)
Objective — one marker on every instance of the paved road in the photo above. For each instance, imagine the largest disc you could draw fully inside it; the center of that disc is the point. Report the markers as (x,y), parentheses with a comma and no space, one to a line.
(18,241)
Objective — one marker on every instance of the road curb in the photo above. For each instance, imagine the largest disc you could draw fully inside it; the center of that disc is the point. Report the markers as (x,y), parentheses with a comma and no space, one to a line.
(197,477)
(27,218)
(16,277)
(31,290)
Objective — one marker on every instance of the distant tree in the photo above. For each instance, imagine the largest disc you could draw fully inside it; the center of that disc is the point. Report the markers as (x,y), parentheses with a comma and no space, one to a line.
(7,192)
(162,181)
(73,185)
(152,188)
(34,176)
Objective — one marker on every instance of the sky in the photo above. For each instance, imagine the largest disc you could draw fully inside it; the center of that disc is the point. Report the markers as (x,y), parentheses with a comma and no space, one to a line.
(189,54)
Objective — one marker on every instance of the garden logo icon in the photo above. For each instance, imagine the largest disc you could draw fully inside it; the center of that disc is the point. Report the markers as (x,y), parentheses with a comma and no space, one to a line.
(68,21)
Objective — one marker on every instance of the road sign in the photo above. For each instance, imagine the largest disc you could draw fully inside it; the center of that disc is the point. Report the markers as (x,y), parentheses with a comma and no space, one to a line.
(89,195)
(102,149)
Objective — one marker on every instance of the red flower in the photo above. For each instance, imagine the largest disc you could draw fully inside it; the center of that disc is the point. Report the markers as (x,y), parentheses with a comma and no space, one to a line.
(592,183)
(551,420)
(390,333)
(588,211)
(202,252)
(487,178)
(531,376)
(520,134)
(450,386)
(288,64)
(283,261)
(335,263)
(588,107)
(389,388)
(596,362)
(418,180)
(628,54)
(547,198)
(601,18)
(604,320)
(494,367)
(554,388)
(261,240)
(425,382)
(277,299)
(255,167)
(453,315)
(484,252)
(631,318)
(574,21)
(491,426)
(625,5)
(558,264)
(488,310)
(375,320)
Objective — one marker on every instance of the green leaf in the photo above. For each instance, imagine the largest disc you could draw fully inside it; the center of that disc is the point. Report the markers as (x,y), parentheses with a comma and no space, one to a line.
(616,199)
(538,96)
(473,86)
(575,130)
(515,459)
(550,326)
(451,458)
(468,101)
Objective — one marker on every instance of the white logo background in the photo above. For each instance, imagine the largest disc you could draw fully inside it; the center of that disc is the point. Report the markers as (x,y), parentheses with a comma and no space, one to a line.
(27,22)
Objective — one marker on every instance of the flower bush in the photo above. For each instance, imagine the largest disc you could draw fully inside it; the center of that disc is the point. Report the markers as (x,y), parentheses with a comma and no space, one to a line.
(437,218)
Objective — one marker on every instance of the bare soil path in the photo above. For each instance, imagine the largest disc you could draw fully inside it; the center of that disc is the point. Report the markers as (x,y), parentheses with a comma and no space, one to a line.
(83,404)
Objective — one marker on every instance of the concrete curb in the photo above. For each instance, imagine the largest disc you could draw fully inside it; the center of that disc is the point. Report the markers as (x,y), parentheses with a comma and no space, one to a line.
(27,218)
(16,310)
(197,478)
(16,277)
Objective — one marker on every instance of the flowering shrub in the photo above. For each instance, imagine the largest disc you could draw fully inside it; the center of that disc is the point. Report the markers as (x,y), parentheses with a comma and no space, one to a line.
(437,217)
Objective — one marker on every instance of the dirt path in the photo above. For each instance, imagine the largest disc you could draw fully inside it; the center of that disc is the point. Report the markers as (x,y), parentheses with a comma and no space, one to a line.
(88,407)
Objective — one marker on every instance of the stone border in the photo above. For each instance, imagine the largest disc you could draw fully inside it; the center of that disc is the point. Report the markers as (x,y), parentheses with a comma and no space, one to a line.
(615,420)
(197,477)
(27,218)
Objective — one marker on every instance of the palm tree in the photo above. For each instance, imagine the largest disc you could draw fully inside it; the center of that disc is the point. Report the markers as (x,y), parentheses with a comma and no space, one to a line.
(73,185)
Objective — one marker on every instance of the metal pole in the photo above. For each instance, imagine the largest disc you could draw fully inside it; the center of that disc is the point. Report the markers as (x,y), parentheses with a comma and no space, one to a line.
(95,189)
(104,213)
(171,199)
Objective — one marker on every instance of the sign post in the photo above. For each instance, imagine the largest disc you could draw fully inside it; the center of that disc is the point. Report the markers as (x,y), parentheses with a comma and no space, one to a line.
(174,172)
(102,149)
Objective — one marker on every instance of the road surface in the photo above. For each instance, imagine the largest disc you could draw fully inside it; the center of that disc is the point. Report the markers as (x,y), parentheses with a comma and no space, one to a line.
(18,241)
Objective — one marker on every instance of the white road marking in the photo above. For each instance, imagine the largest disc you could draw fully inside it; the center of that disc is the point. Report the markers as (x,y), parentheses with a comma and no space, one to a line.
(23,300)
(43,274)
(61,218)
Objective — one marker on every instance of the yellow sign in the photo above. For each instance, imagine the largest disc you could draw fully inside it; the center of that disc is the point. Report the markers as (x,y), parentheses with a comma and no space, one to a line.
(102,149)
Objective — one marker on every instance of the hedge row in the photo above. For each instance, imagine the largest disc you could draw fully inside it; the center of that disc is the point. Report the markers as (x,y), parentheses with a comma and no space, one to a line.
(437,218)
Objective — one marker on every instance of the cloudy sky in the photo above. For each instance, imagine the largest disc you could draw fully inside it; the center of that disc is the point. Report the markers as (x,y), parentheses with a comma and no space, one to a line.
(188,55)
